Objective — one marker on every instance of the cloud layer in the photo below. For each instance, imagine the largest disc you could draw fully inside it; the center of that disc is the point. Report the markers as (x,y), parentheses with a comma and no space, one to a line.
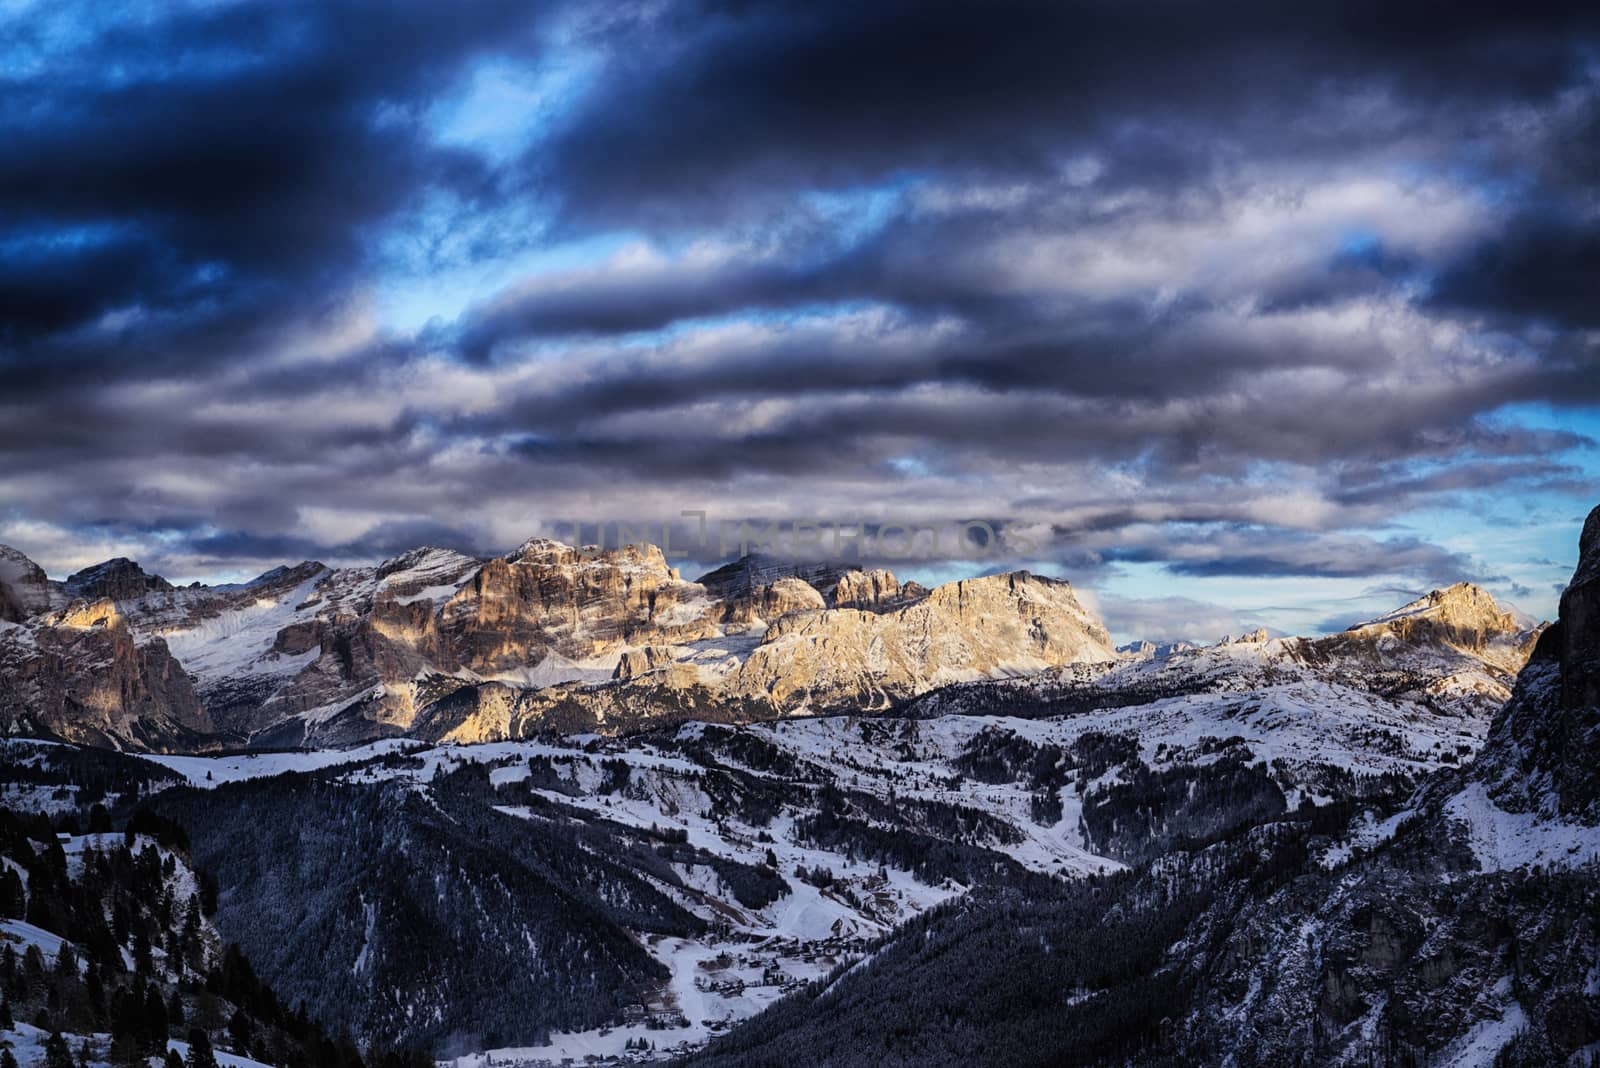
(1225,296)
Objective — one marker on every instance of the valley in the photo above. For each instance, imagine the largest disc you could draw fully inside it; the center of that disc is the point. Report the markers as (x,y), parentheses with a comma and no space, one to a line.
(651,889)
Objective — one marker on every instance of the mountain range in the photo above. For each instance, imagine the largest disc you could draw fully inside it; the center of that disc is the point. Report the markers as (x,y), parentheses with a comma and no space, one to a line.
(1017,846)
(1455,926)
(440,646)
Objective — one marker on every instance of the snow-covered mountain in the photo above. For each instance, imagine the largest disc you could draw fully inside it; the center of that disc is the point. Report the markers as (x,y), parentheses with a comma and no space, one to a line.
(1451,925)
(1270,850)
(1453,653)
(798,845)
(779,850)
(436,644)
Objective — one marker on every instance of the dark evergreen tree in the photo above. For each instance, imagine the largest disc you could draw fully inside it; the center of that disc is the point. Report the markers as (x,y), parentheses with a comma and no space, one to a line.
(56,1052)
(239,1032)
(33,979)
(13,899)
(94,992)
(155,1019)
(200,1052)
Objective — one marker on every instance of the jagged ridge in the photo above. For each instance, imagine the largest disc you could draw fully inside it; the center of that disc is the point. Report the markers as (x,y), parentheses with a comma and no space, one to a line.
(440,644)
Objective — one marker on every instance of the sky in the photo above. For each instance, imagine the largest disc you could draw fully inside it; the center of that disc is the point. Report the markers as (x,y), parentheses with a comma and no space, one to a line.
(1233,315)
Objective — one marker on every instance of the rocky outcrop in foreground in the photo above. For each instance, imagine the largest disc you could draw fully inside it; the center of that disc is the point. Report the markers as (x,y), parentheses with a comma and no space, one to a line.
(1463,929)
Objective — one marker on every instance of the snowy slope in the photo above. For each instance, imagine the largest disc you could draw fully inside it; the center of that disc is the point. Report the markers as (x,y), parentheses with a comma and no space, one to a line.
(1297,727)
(238,639)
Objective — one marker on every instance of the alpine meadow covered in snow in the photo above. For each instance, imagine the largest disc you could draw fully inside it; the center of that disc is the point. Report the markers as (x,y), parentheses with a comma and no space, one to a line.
(777,534)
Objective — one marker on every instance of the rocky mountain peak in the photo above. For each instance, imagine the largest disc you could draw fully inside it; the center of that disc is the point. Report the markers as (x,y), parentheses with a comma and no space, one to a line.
(787,594)
(13,562)
(286,575)
(1580,623)
(541,550)
(1145,649)
(546,552)
(24,588)
(766,587)
(424,558)
(1462,616)
(1543,752)
(874,590)
(1463,604)
(1589,550)
(985,627)
(420,571)
(1465,600)
(119,578)
(1019,587)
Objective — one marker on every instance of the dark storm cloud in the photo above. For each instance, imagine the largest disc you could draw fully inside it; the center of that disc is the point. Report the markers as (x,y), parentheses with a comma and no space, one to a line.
(711,101)
(1216,287)
(1389,486)
(1543,266)
(1268,553)
(648,302)
(382,541)
(214,168)
(1030,403)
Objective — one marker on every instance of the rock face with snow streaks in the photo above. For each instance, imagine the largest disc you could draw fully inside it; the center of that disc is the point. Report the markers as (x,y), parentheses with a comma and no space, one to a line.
(24,589)
(441,644)
(1444,918)
(78,674)
(1001,624)
(1543,753)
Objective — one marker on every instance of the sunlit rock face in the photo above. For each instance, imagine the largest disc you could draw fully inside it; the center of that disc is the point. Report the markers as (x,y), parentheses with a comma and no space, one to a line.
(875,591)
(78,674)
(1007,624)
(771,601)
(547,597)
(436,643)
(1454,648)
(1463,616)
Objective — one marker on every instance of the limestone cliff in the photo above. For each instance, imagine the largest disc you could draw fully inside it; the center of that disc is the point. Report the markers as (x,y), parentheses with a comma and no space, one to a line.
(1464,617)
(1000,624)
(441,644)
(77,674)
